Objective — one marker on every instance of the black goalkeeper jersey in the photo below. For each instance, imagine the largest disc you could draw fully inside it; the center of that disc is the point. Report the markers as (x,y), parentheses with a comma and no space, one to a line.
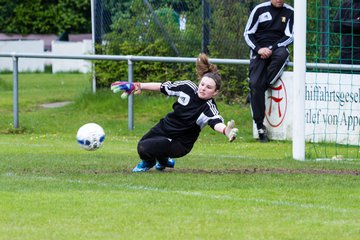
(269,26)
(190,113)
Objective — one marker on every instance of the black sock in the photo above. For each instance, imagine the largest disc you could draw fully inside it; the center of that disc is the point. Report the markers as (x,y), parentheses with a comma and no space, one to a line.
(259,125)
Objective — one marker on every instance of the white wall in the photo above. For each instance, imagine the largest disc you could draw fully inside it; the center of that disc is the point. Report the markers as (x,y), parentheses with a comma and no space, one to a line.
(71,48)
(22,46)
(37,64)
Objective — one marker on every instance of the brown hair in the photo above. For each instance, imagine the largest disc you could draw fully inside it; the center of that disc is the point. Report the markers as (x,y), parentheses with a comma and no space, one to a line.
(205,68)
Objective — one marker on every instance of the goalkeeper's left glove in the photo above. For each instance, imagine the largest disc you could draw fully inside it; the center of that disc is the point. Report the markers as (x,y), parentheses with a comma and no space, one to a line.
(127,87)
(230,131)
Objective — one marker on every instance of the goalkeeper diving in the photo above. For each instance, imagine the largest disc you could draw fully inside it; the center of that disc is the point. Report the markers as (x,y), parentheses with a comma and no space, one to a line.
(175,134)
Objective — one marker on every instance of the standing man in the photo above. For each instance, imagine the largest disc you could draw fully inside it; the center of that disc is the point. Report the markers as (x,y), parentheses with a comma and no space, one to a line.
(268,33)
(347,22)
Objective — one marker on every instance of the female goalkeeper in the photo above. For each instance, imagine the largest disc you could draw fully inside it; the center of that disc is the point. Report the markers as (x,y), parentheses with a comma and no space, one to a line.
(175,134)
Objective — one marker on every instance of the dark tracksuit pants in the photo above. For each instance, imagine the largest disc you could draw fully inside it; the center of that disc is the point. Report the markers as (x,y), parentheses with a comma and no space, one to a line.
(263,73)
(155,145)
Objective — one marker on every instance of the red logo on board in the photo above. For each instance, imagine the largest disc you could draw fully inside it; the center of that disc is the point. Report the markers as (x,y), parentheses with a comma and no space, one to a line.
(276,104)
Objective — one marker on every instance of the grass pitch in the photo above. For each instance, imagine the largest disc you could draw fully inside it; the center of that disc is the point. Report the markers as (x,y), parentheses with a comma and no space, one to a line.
(52,189)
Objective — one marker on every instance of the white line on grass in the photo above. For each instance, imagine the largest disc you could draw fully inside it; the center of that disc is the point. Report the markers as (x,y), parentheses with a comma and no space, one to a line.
(257,200)
(346,160)
(195,194)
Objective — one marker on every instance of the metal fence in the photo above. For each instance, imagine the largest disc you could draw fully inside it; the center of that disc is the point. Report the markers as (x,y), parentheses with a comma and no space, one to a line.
(130,60)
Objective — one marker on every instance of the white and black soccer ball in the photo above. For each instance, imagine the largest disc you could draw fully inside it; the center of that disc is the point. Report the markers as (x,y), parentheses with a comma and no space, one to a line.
(90,136)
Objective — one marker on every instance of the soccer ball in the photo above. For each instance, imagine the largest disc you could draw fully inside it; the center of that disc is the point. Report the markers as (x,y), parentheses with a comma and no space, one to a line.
(90,136)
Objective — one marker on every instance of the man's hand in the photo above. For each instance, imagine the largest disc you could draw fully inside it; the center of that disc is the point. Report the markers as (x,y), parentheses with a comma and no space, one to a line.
(265,52)
(230,131)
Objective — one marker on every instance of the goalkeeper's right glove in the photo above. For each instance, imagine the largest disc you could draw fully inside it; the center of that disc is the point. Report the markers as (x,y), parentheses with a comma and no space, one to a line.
(230,131)
(127,87)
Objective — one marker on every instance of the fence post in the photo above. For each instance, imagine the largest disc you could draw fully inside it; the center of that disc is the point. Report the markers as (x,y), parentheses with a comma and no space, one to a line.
(131,97)
(15,92)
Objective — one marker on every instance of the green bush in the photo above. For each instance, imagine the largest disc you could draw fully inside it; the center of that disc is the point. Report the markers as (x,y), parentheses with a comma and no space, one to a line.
(45,17)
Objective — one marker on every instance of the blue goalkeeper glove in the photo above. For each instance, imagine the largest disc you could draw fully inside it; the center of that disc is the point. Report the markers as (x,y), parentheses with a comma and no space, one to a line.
(127,87)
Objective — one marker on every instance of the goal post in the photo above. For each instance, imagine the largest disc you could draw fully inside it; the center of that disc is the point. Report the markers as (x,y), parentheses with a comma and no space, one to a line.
(298,143)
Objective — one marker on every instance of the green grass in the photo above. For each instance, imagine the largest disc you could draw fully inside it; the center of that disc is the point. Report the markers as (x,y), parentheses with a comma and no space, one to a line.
(52,189)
